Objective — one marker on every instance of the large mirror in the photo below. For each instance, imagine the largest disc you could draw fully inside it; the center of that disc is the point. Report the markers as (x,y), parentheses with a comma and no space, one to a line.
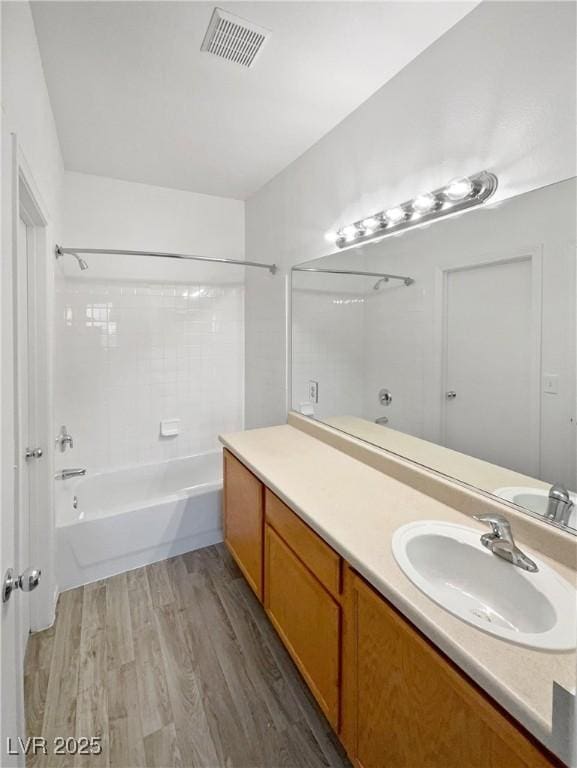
(471,368)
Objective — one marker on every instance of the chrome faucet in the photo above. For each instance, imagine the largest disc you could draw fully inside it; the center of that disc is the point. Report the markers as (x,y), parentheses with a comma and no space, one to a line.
(559,506)
(64,439)
(501,543)
(64,474)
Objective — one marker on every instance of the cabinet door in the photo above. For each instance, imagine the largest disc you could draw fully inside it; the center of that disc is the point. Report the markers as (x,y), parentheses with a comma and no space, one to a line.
(243,520)
(308,546)
(412,706)
(307,619)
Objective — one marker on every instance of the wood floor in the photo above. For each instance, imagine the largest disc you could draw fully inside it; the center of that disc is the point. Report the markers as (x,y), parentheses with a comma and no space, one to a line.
(174,664)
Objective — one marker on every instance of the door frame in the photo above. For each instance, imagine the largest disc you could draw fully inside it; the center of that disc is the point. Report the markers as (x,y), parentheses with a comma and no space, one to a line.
(27,200)
(533,254)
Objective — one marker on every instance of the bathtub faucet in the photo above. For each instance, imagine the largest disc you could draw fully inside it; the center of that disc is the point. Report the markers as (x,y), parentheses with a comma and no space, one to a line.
(66,473)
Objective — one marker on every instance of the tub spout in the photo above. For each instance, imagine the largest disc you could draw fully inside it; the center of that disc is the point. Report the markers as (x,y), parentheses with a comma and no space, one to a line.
(66,473)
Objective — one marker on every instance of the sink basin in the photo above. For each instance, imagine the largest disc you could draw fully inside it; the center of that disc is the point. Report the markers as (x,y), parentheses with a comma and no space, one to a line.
(450,565)
(534,499)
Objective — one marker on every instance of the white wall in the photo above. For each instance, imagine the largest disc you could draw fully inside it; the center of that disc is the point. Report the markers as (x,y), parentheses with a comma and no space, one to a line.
(26,105)
(26,112)
(142,339)
(497,91)
(101,212)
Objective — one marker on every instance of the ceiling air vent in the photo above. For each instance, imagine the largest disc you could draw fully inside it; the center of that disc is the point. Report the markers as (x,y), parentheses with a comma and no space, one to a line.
(233,38)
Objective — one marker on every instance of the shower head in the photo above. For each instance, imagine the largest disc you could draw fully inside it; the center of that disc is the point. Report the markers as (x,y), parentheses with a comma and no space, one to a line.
(81,263)
(377,285)
(59,252)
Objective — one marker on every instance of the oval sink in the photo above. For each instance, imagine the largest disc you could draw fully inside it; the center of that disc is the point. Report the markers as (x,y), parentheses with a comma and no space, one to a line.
(534,499)
(450,565)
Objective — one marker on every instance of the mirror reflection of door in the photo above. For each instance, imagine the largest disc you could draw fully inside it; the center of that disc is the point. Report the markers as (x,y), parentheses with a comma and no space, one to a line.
(491,402)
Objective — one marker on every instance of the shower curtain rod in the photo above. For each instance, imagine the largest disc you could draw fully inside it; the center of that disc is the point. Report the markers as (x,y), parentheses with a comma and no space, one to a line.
(406,280)
(272,268)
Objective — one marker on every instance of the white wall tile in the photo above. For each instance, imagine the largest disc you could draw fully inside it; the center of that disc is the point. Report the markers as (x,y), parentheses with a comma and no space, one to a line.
(129,354)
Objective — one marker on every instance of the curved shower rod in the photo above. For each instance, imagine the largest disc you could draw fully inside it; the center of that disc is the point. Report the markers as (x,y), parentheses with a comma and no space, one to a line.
(383,275)
(60,251)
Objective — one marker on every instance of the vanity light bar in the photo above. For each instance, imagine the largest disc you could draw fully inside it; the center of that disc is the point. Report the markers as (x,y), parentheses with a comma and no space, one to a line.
(458,195)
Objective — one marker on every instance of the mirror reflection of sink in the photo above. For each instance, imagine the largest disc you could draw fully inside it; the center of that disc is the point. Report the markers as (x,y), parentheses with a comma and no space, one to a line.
(450,565)
(534,499)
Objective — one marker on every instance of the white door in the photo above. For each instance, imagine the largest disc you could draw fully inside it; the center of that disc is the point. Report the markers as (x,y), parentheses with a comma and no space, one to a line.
(14,523)
(11,678)
(491,405)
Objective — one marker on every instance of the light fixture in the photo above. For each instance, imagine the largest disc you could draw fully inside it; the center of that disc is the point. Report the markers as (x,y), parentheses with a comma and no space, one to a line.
(457,196)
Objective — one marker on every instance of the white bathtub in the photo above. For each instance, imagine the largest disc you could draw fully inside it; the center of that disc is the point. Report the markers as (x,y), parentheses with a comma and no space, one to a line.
(133,517)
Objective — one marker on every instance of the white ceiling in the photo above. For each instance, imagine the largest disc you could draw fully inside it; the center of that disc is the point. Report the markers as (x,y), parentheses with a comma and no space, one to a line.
(134,97)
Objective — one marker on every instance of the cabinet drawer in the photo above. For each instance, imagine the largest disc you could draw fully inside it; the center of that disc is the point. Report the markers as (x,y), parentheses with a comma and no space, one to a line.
(319,558)
(244,519)
(307,619)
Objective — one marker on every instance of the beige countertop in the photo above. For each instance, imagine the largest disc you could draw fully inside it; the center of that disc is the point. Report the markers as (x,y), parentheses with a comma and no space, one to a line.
(476,472)
(356,509)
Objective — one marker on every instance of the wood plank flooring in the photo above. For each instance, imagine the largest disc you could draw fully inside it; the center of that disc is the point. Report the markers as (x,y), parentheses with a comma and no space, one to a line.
(174,664)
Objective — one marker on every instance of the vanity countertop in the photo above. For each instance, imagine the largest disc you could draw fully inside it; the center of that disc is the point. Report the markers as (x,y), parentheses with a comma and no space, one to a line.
(476,472)
(356,509)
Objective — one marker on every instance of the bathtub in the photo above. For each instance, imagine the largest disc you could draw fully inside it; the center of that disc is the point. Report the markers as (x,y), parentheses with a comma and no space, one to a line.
(111,522)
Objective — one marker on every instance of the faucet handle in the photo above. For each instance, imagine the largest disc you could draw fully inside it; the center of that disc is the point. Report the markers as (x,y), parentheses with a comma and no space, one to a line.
(500,526)
(64,439)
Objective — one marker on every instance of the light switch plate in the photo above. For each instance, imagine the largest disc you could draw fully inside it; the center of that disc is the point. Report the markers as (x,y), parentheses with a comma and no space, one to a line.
(551,383)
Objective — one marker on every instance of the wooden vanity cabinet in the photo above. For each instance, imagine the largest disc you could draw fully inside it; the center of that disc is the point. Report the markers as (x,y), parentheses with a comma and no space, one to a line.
(405,704)
(302,585)
(315,553)
(307,620)
(393,698)
(243,507)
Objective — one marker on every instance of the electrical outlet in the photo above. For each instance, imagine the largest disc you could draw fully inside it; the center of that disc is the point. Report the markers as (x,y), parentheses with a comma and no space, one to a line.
(313,391)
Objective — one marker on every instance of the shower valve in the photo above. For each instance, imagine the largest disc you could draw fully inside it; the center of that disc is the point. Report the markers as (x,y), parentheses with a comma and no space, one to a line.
(64,439)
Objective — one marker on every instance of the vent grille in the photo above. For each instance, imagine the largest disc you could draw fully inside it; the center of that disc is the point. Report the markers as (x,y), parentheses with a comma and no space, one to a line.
(233,38)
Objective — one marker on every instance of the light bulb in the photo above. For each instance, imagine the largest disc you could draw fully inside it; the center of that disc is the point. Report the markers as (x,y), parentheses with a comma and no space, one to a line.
(424,203)
(349,233)
(370,224)
(459,189)
(395,215)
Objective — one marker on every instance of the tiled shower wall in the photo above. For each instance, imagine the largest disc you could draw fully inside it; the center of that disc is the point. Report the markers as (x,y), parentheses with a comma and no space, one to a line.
(130,353)
(328,349)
